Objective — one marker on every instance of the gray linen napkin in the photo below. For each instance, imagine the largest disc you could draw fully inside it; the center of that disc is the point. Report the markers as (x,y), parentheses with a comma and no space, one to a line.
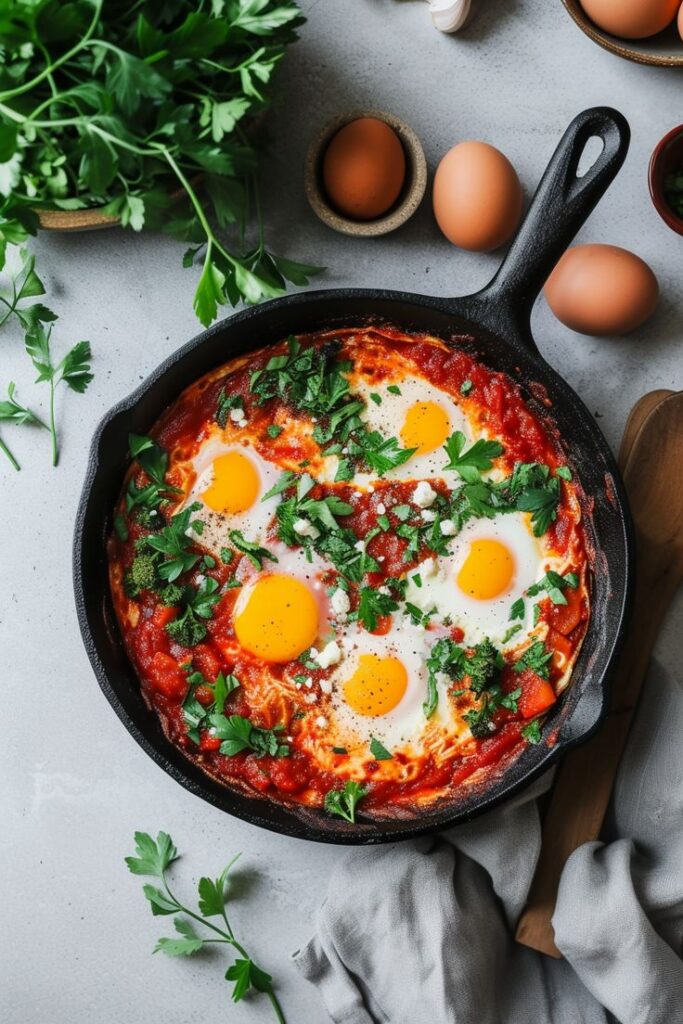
(421,931)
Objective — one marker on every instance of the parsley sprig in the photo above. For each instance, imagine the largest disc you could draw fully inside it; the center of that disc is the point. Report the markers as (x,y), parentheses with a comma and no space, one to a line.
(238,734)
(343,802)
(73,370)
(195,714)
(152,859)
(11,411)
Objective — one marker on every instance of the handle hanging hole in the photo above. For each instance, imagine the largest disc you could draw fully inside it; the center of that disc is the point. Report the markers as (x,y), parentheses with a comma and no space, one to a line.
(591,151)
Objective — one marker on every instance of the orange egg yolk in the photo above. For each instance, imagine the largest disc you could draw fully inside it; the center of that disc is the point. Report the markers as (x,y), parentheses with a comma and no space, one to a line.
(235,485)
(487,571)
(377,685)
(426,427)
(277,618)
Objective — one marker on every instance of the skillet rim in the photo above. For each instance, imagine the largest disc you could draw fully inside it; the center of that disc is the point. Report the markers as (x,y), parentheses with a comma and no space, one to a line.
(248,809)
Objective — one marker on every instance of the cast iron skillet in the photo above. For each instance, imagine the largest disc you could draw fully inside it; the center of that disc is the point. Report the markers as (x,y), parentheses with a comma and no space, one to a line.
(498,319)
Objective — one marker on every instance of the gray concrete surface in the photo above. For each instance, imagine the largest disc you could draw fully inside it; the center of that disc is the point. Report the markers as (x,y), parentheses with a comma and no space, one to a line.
(75,932)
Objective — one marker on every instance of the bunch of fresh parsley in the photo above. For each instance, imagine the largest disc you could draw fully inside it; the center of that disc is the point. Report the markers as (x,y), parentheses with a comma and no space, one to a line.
(150,112)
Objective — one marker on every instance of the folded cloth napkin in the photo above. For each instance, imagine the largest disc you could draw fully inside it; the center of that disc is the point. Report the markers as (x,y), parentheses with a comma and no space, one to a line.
(422,931)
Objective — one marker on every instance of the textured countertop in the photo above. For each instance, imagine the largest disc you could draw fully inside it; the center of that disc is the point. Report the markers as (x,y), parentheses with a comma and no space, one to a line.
(76,933)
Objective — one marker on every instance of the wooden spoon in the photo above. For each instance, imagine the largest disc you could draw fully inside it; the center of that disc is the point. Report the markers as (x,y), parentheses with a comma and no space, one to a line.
(653,454)
(639,413)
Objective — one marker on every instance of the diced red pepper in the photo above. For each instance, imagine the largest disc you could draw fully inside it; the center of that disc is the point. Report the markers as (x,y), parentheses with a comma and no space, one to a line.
(206,661)
(537,694)
(208,743)
(566,617)
(162,615)
(167,677)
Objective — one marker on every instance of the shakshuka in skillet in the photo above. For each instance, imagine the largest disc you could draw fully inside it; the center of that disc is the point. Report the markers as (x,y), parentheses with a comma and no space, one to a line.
(351,571)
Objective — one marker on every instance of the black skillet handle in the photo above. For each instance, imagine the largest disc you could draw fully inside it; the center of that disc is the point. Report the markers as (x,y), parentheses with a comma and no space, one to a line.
(560,206)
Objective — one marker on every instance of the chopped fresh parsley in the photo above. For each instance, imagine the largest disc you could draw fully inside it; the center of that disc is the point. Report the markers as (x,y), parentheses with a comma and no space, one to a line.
(554,584)
(512,631)
(172,542)
(274,430)
(564,472)
(154,461)
(373,605)
(379,751)
(195,714)
(480,719)
(532,732)
(470,463)
(189,629)
(238,734)
(377,399)
(394,389)
(517,609)
(343,802)
(466,387)
(535,658)
(254,552)
(225,404)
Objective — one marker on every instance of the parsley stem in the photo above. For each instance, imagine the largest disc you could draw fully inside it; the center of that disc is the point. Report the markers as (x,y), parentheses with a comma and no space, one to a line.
(53,432)
(49,68)
(5,449)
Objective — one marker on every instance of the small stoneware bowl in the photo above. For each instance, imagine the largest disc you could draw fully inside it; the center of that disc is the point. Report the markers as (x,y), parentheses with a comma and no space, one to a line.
(666,158)
(408,201)
(665,50)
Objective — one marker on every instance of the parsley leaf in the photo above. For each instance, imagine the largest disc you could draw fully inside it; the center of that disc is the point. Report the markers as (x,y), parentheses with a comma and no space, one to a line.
(153,859)
(254,552)
(379,751)
(470,462)
(343,802)
(535,658)
(373,605)
(73,370)
(238,734)
(554,584)
(532,732)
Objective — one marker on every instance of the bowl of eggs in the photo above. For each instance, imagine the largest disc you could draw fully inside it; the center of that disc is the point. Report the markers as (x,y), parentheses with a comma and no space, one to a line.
(646,32)
(365,173)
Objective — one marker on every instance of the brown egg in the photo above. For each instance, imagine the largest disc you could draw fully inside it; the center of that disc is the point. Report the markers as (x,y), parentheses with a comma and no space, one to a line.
(680,22)
(364,168)
(602,289)
(631,19)
(477,197)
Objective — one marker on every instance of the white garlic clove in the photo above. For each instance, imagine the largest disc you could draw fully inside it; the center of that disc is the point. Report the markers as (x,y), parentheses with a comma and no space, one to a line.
(449,15)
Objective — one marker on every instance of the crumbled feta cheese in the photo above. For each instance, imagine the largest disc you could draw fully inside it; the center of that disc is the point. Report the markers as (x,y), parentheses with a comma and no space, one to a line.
(237,414)
(321,722)
(443,679)
(340,603)
(428,567)
(308,683)
(447,527)
(359,545)
(381,508)
(381,558)
(330,655)
(424,495)
(305,528)
(199,578)
(242,422)
(313,653)
(326,685)
(383,590)
(311,698)
(298,684)
(427,515)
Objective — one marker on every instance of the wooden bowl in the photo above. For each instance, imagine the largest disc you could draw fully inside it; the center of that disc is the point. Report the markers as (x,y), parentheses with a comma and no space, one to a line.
(664,50)
(408,201)
(75,220)
(667,157)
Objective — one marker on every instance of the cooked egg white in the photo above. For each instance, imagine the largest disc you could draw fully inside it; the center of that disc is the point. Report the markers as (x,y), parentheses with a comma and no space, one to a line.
(492,563)
(230,483)
(420,416)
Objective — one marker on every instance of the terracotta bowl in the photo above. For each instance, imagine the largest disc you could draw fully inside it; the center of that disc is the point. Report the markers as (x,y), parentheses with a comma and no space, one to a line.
(663,50)
(413,188)
(667,157)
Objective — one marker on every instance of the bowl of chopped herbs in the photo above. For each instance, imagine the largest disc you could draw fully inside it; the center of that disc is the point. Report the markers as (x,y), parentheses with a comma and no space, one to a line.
(147,115)
(666,179)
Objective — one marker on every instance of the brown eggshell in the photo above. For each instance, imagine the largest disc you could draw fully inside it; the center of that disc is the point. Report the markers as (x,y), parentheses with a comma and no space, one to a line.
(364,168)
(631,19)
(680,22)
(477,197)
(602,290)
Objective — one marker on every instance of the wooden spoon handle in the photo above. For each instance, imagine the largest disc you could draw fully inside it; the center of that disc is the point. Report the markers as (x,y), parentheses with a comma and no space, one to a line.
(586,777)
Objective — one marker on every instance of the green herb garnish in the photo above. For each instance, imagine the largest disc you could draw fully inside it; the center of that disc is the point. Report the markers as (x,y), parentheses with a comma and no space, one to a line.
(238,734)
(342,802)
(379,751)
(153,859)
